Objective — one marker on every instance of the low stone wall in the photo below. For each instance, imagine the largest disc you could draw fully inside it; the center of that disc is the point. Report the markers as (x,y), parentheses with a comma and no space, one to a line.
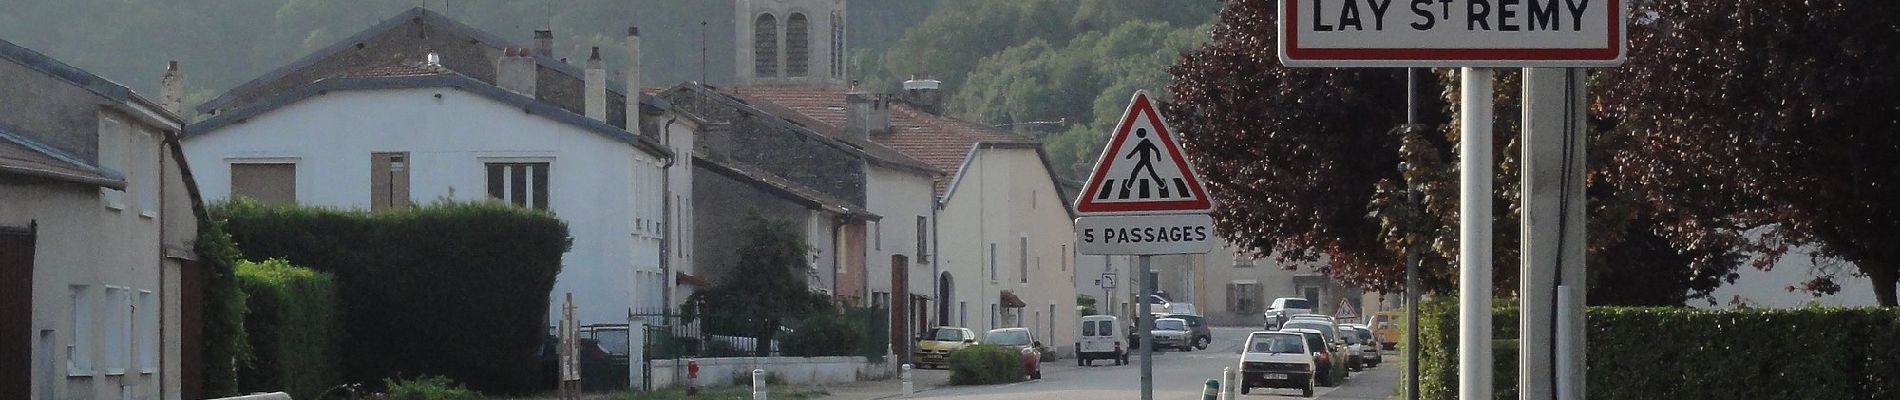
(718,372)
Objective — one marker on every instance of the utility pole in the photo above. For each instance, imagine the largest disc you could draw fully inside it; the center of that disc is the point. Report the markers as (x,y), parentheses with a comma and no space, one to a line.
(1411,249)
(1474,233)
(1146,327)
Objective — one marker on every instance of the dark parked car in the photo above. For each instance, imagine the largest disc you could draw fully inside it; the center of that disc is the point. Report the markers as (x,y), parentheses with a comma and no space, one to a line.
(1199,334)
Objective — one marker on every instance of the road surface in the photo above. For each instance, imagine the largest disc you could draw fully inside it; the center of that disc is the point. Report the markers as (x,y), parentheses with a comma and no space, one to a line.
(1178,376)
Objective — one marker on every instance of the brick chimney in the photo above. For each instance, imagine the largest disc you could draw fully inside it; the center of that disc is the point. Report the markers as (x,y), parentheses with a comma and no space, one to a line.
(544,42)
(594,82)
(515,71)
(924,94)
(171,89)
(865,114)
(633,79)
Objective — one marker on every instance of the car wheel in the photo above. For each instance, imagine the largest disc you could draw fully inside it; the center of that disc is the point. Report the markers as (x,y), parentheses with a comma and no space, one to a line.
(1202,344)
(1307,391)
(1244,389)
(1035,375)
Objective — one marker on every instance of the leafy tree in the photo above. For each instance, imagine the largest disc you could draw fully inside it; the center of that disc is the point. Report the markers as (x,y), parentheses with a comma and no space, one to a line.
(1306,164)
(1766,125)
(766,288)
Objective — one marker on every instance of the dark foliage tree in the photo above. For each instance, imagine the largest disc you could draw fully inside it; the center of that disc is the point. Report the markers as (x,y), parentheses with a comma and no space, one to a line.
(1766,125)
(765,290)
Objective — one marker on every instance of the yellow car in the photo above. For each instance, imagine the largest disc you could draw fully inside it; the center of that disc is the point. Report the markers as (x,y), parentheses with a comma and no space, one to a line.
(933,349)
(1385,325)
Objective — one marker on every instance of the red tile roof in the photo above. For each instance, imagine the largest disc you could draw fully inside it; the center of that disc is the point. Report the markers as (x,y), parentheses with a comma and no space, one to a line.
(940,141)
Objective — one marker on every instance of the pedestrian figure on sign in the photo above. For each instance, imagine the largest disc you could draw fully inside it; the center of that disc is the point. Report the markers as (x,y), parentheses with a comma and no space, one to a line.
(1143,160)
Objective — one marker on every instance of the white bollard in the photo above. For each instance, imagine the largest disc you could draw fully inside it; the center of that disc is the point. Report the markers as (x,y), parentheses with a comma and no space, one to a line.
(758,384)
(1227,383)
(908,389)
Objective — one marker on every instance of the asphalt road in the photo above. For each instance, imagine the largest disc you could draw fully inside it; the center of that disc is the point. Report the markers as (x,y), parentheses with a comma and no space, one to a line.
(1178,376)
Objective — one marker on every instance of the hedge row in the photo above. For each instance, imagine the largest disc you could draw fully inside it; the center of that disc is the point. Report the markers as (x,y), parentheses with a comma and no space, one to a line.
(1683,353)
(223,318)
(453,289)
(984,364)
(294,323)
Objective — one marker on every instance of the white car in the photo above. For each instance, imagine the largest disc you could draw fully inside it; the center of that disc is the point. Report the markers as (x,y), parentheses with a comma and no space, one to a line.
(1283,310)
(1098,337)
(1180,308)
(1169,332)
(1277,360)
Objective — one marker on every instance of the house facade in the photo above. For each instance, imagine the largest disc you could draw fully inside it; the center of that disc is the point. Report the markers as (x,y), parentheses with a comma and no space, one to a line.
(97,227)
(627,204)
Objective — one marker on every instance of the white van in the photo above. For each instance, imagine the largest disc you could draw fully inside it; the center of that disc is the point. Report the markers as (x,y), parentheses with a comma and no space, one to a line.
(1099,338)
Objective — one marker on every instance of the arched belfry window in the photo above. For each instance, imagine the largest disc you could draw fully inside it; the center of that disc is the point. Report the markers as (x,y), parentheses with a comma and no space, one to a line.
(765,46)
(837,44)
(797,45)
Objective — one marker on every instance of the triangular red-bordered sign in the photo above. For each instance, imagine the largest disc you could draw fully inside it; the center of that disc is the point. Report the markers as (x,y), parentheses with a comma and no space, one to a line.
(1143,171)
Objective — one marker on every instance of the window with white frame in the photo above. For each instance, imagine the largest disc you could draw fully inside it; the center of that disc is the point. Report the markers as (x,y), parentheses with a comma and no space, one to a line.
(147,332)
(146,175)
(523,184)
(79,350)
(112,154)
(118,329)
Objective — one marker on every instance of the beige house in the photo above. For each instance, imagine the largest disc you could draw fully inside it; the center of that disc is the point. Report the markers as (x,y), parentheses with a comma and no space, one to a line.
(1232,288)
(97,221)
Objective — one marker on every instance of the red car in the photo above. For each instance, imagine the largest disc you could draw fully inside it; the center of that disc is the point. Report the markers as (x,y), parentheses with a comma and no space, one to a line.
(1019,339)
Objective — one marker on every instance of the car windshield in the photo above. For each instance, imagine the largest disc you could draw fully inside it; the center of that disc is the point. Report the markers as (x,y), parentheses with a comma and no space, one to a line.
(948,335)
(1297,303)
(1193,321)
(1170,325)
(1315,342)
(1276,343)
(1325,330)
(1365,335)
(1008,338)
(614,341)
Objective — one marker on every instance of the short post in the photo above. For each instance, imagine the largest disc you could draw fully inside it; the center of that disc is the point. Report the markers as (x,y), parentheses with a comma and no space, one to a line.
(908,389)
(1227,383)
(1211,390)
(758,384)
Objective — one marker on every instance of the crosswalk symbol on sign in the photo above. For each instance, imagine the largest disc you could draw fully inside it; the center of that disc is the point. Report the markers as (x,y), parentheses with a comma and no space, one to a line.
(1143,169)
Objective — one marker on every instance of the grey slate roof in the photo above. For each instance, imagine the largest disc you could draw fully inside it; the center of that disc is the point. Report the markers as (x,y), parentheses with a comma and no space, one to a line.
(78,77)
(416,15)
(784,188)
(25,157)
(445,78)
(874,153)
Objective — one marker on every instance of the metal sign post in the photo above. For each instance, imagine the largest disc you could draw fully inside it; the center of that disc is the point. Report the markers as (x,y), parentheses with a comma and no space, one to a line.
(1143,199)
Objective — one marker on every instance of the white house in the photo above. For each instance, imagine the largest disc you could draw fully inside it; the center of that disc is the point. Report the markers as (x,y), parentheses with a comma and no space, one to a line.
(390,136)
(97,226)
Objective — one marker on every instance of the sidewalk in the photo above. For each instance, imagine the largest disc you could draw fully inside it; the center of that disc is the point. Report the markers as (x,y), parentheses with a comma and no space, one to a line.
(921,380)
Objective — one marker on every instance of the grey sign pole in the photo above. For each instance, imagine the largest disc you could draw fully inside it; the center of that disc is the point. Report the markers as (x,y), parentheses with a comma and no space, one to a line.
(1411,252)
(1146,327)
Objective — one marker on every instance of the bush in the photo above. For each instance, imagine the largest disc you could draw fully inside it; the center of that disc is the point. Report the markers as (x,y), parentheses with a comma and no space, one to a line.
(823,334)
(984,364)
(294,325)
(429,388)
(223,319)
(453,289)
(1656,353)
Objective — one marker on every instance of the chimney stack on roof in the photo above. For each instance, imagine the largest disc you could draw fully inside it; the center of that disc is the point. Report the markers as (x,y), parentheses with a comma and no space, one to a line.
(925,94)
(515,71)
(633,79)
(594,82)
(544,43)
(865,114)
(171,89)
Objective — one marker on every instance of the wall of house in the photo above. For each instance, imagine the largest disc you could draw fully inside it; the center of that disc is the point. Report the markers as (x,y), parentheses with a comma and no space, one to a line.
(720,216)
(606,190)
(901,197)
(108,261)
(995,202)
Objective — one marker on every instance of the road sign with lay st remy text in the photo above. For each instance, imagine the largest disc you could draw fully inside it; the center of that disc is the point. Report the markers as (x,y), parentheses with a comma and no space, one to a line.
(1452,33)
(1143,198)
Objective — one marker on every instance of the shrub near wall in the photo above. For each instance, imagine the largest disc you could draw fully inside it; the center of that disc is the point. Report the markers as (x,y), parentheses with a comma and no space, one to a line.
(223,317)
(1682,353)
(294,326)
(984,364)
(452,289)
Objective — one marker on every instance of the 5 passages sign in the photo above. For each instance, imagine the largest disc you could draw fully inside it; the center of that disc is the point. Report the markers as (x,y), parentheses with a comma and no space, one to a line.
(1452,33)
(1143,198)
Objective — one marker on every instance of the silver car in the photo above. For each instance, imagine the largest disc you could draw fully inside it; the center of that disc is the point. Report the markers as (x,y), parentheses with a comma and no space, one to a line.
(1168,333)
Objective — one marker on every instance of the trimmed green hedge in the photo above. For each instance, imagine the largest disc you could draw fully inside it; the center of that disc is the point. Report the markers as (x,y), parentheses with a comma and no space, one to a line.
(1684,353)
(223,318)
(295,325)
(983,364)
(453,289)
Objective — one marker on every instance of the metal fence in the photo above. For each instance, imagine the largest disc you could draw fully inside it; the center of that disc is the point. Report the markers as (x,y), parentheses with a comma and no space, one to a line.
(672,336)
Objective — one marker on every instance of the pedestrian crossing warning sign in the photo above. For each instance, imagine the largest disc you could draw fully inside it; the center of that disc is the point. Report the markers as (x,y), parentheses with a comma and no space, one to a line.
(1143,170)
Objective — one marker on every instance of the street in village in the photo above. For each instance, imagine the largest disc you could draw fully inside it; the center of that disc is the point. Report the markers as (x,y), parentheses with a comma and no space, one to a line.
(1177,376)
